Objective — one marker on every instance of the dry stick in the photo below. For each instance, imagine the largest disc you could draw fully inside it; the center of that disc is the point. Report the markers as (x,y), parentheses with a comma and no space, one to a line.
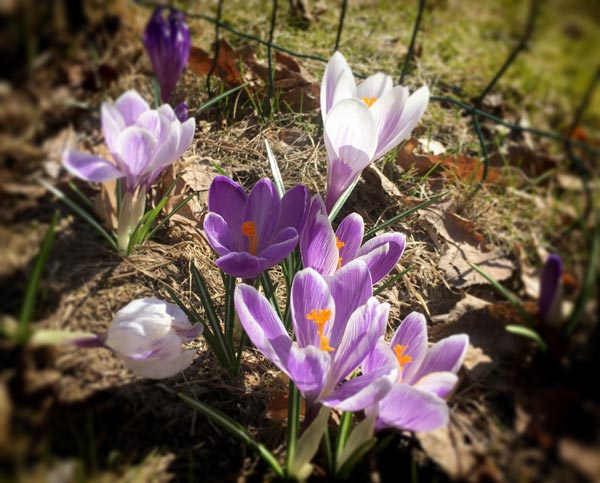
(213,65)
(340,25)
(413,39)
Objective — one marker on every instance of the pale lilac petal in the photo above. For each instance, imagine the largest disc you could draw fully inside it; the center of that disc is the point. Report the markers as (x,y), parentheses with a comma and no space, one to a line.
(362,391)
(136,147)
(438,383)
(381,355)
(168,111)
(166,152)
(408,408)
(263,327)
(387,112)
(350,232)
(242,265)
(280,246)
(154,122)
(89,167)
(412,334)
(337,84)
(309,292)
(382,253)
(360,336)
(445,356)
(218,234)
(350,287)
(131,105)
(308,367)
(392,132)
(185,137)
(112,124)
(262,208)
(161,368)
(374,86)
(294,208)
(317,243)
(228,199)
(188,334)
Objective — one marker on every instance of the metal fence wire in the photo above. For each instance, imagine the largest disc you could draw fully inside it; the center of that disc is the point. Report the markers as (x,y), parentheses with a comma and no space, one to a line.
(474,109)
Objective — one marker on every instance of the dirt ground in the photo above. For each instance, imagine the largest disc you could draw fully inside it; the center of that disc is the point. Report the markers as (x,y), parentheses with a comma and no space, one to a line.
(68,414)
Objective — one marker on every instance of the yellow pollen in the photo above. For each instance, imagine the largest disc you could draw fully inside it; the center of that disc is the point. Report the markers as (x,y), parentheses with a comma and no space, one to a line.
(369,101)
(339,244)
(249,230)
(403,359)
(320,318)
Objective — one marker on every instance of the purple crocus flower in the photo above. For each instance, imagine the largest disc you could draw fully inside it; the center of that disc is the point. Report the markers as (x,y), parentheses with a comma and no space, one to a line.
(253,232)
(168,44)
(181,111)
(337,323)
(327,251)
(425,376)
(362,123)
(142,142)
(549,300)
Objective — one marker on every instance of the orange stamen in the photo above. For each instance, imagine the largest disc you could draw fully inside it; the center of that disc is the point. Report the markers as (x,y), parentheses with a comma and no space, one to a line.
(403,359)
(320,318)
(369,101)
(249,230)
(339,244)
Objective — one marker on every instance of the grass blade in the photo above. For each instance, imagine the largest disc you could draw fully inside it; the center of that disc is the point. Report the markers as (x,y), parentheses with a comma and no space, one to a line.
(235,429)
(214,100)
(341,201)
(275,171)
(180,205)
(32,287)
(293,424)
(529,333)
(392,281)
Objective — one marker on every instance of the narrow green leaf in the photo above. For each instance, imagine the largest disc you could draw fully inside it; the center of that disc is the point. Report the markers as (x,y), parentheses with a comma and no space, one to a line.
(275,171)
(392,281)
(308,444)
(341,201)
(529,333)
(405,213)
(343,433)
(229,285)
(235,429)
(270,294)
(28,305)
(215,100)
(80,211)
(82,196)
(293,423)
(179,205)
(350,462)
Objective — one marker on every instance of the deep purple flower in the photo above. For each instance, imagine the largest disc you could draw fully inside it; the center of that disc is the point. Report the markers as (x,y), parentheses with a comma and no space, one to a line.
(181,111)
(362,123)
(425,376)
(142,142)
(337,323)
(168,44)
(327,251)
(254,232)
(549,300)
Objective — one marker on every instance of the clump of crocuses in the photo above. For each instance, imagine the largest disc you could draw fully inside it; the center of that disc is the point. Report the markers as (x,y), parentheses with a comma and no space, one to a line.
(168,43)
(142,143)
(362,123)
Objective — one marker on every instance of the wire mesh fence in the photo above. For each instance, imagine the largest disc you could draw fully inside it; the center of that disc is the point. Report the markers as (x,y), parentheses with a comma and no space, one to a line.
(574,148)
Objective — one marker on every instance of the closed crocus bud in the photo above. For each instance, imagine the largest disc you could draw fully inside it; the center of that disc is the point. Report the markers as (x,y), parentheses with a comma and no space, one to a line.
(148,335)
(167,42)
(181,111)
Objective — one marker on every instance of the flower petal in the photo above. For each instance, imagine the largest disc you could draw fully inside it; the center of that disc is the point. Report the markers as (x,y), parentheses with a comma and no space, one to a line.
(408,408)
(309,292)
(131,106)
(186,136)
(263,208)
(438,383)
(136,147)
(337,84)
(350,287)
(112,124)
(374,86)
(279,246)
(412,334)
(394,125)
(350,232)
(445,356)
(161,368)
(308,367)
(262,325)
(90,167)
(218,234)
(382,253)
(228,199)
(166,152)
(317,242)
(242,265)
(294,208)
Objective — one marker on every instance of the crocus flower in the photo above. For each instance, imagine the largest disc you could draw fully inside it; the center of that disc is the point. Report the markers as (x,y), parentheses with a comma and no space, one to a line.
(425,376)
(168,44)
(336,323)
(550,299)
(254,232)
(181,111)
(142,143)
(327,251)
(148,334)
(362,123)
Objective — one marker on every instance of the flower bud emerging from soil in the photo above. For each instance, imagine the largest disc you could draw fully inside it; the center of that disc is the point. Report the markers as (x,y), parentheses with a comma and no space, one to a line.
(148,334)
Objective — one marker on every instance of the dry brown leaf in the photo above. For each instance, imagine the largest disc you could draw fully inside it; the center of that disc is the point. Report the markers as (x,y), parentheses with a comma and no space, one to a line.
(225,68)
(585,458)
(105,204)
